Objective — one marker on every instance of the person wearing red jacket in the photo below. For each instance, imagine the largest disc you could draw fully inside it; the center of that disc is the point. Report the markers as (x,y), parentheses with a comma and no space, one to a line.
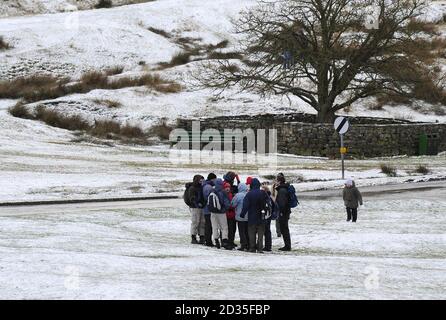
(230,216)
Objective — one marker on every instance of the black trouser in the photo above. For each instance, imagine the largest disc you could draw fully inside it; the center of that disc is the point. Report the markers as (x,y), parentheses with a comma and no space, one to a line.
(268,240)
(283,221)
(207,229)
(256,232)
(232,229)
(352,213)
(243,234)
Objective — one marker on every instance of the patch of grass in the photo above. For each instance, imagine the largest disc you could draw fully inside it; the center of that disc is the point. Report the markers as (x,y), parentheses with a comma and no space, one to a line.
(225,55)
(43,87)
(111,104)
(57,119)
(3,44)
(20,111)
(421,169)
(33,88)
(162,130)
(221,45)
(160,32)
(104,4)
(180,58)
(388,170)
(114,70)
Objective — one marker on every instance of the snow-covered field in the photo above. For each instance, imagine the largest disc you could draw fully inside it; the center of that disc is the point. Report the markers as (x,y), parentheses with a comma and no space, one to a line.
(141,250)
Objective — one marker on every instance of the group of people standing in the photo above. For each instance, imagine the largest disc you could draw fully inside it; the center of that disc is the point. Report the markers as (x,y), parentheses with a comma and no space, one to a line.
(221,206)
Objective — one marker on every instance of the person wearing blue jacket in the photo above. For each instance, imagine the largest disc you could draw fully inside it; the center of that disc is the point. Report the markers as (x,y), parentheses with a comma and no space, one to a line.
(208,187)
(219,220)
(252,205)
(242,223)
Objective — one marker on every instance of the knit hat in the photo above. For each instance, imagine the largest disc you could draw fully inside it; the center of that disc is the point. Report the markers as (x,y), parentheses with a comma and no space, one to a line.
(226,185)
(248,180)
(211,176)
(349,182)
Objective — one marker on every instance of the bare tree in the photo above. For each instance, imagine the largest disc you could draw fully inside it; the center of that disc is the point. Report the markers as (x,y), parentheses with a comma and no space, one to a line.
(329,53)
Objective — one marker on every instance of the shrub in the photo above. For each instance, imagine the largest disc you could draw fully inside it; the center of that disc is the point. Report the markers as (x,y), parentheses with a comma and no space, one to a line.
(162,130)
(388,170)
(225,55)
(180,58)
(57,119)
(112,104)
(105,129)
(114,70)
(20,111)
(3,44)
(93,79)
(160,32)
(422,170)
(169,88)
(132,131)
(104,4)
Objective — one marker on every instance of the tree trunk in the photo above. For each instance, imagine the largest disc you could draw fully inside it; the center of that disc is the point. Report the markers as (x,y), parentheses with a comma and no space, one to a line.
(325,115)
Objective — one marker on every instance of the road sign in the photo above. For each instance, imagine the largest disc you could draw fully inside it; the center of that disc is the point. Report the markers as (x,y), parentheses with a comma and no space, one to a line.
(341,125)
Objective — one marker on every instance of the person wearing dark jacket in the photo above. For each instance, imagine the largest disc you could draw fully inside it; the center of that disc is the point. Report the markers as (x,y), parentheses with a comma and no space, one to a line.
(230,178)
(283,201)
(208,187)
(352,199)
(252,205)
(268,237)
(196,204)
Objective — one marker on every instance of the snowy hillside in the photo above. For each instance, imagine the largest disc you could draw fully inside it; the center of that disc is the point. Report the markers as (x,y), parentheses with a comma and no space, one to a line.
(138,38)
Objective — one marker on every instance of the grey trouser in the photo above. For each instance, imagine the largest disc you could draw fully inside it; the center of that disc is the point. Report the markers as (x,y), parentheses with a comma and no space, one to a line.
(197,225)
(219,222)
(253,230)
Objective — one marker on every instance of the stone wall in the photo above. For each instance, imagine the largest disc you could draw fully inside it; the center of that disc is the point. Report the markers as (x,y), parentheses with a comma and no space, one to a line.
(367,137)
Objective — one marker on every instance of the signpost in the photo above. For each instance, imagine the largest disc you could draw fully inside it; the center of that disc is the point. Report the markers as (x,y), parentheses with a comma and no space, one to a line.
(342,125)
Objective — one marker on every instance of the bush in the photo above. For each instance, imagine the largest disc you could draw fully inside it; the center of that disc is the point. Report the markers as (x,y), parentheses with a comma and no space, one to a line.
(160,32)
(162,130)
(20,111)
(225,55)
(169,88)
(114,70)
(104,4)
(388,170)
(3,44)
(180,58)
(422,170)
(132,132)
(57,119)
(112,104)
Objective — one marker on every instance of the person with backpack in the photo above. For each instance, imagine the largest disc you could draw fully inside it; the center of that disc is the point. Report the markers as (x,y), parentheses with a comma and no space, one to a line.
(230,178)
(255,204)
(285,199)
(193,197)
(242,223)
(352,199)
(230,216)
(218,203)
(273,216)
(208,187)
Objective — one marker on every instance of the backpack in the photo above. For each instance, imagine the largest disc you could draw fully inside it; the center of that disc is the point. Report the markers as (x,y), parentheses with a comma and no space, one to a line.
(266,207)
(213,203)
(293,202)
(186,195)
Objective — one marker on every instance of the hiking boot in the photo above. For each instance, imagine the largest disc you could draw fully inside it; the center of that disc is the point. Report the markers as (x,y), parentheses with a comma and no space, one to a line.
(194,240)
(202,240)
(227,245)
(267,249)
(285,249)
(217,243)
(241,249)
(252,250)
(259,251)
(209,244)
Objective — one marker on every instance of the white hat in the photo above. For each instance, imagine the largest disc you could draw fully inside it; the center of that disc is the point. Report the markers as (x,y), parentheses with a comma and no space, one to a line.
(349,182)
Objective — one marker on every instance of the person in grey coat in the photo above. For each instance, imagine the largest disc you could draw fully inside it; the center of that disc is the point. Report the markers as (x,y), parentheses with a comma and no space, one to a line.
(352,199)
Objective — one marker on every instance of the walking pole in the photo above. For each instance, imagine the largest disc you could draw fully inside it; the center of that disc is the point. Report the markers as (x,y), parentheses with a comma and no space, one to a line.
(342,156)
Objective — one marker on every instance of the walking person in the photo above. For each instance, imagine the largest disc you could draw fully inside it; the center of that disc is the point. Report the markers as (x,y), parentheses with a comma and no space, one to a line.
(218,204)
(283,201)
(352,199)
(253,205)
(242,223)
(230,216)
(208,187)
(193,197)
